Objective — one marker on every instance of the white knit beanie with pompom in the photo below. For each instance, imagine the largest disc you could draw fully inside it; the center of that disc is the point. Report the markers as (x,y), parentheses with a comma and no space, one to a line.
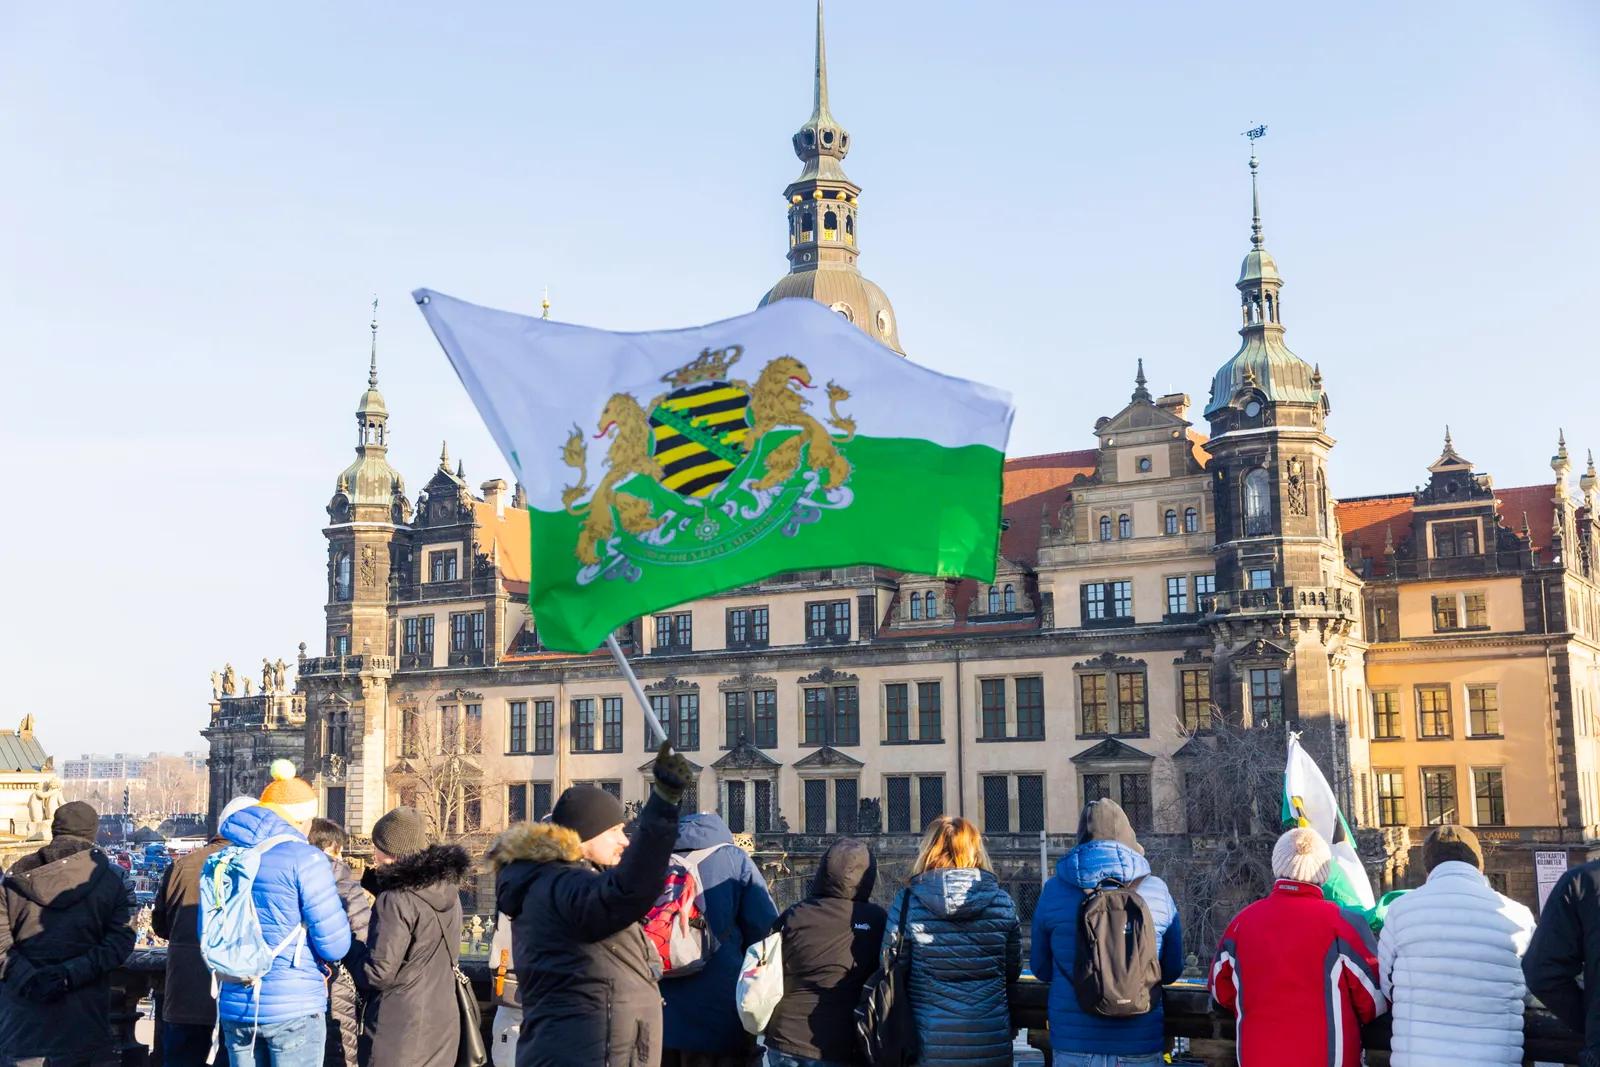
(1302,854)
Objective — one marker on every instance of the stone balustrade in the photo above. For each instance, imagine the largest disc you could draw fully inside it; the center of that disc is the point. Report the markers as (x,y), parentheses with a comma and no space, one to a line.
(1187,1009)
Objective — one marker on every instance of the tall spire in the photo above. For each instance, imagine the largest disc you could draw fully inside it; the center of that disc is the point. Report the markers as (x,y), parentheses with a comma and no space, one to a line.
(821,107)
(372,371)
(1140,385)
(1256,240)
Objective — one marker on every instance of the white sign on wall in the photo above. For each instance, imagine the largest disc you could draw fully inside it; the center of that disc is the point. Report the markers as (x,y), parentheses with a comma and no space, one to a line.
(1548,867)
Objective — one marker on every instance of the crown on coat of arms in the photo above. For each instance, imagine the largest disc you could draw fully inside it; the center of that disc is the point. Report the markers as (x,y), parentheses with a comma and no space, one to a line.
(709,367)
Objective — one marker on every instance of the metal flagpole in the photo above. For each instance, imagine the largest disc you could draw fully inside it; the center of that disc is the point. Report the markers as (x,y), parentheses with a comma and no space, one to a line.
(638,690)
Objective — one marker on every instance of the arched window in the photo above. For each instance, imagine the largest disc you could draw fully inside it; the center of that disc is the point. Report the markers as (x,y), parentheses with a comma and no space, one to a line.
(1124,526)
(1191,520)
(1257,503)
(1011,598)
(994,601)
(341,577)
(850,225)
(916,605)
(930,605)
(830,224)
(1170,522)
(806,222)
(1105,527)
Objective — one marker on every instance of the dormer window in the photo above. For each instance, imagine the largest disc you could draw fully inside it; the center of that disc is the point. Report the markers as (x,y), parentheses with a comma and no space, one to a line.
(1124,527)
(1105,527)
(916,606)
(1169,522)
(1011,598)
(1191,520)
(994,600)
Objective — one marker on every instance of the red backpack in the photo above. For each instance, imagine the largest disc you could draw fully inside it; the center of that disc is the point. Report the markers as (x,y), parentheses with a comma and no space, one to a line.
(675,924)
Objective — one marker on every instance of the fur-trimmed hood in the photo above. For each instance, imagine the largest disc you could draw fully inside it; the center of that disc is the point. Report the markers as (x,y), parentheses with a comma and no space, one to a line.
(536,842)
(433,874)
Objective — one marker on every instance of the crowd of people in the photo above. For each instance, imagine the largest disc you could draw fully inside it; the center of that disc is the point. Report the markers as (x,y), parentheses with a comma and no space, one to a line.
(364,971)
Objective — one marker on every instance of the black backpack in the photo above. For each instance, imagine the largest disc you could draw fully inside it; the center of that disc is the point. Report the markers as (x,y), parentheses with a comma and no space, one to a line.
(1117,963)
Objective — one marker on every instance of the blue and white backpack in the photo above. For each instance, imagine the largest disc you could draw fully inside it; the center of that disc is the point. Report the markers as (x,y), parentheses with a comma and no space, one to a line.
(231,941)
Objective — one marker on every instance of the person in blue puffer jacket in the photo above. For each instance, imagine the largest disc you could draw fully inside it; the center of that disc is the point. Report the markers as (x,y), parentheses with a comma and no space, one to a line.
(965,946)
(1106,848)
(282,1019)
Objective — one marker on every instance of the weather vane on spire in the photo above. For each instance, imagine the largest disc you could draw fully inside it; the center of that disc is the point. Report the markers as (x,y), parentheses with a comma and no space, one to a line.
(1255,134)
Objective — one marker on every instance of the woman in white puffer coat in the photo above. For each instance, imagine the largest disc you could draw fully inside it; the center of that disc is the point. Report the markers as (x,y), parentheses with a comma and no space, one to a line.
(1450,956)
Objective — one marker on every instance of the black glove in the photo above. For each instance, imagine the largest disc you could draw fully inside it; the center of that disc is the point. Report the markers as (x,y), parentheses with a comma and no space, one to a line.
(47,984)
(673,774)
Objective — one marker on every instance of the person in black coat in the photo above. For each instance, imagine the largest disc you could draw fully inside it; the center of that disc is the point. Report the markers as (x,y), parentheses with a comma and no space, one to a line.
(1566,944)
(344,999)
(413,945)
(830,948)
(575,889)
(66,922)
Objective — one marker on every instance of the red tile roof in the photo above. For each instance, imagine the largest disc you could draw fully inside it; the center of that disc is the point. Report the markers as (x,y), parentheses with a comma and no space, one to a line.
(1035,489)
(1364,520)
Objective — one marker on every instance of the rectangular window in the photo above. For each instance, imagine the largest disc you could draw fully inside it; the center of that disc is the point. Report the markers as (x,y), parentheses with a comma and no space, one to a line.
(846,805)
(408,643)
(736,806)
(816,717)
(543,800)
(472,729)
(611,724)
(766,701)
(1459,538)
(1133,715)
(544,727)
(930,799)
(828,620)
(471,810)
(687,722)
(475,642)
(1385,716)
(1094,712)
(1094,601)
(816,801)
(1194,709)
(735,717)
(839,620)
(1483,710)
(1489,789)
(759,628)
(996,804)
(896,712)
(1391,795)
(425,635)
(1439,795)
(516,802)
(1476,610)
(1205,589)
(583,725)
(1030,708)
(1095,787)
(1135,800)
(410,732)
(1266,695)
(675,632)
(1030,803)
(661,704)
(335,804)
(1433,711)
(1177,596)
(992,696)
(929,716)
(846,715)
(517,716)
(747,627)
(897,804)
(1261,578)
(1445,616)
(763,794)
(615,789)
(442,566)
(458,631)
(1122,600)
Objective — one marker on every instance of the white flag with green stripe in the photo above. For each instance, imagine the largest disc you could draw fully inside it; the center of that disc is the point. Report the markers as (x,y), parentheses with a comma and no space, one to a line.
(665,466)
(1308,800)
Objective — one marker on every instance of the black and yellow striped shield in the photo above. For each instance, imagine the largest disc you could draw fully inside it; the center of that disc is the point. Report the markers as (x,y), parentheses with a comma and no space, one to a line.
(698,436)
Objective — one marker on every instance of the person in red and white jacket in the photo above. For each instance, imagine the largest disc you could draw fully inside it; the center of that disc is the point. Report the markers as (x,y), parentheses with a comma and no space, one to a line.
(1298,972)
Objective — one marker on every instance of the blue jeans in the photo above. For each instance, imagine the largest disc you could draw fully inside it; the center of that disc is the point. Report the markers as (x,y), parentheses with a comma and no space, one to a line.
(293,1043)
(783,1059)
(1105,1059)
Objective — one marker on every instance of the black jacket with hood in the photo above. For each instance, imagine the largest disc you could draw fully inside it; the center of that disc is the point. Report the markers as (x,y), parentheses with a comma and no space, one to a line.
(344,999)
(830,948)
(1565,948)
(587,973)
(408,968)
(66,912)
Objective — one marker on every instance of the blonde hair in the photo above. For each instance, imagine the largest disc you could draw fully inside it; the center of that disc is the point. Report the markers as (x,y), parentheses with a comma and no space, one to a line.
(951,841)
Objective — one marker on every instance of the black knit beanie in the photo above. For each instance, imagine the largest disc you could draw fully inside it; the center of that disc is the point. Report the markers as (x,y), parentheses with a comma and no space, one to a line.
(75,819)
(588,811)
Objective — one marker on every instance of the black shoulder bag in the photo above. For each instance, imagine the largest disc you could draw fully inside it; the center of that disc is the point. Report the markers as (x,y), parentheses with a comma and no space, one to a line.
(885,1028)
(471,1051)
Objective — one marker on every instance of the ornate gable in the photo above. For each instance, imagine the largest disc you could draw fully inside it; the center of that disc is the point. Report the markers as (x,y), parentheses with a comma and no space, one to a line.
(828,676)
(746,680)
(671,683)
(827,757)
(1112,751)
(745,757)
(1110,661)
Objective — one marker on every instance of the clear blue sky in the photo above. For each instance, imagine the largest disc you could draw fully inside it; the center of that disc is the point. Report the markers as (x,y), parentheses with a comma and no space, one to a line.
(198,200)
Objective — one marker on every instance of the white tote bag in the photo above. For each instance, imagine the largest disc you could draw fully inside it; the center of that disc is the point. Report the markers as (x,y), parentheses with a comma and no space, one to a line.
(760,985)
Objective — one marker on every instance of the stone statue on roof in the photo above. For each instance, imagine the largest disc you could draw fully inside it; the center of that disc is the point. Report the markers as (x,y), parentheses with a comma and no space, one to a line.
(247,687)
(230,681)
(42,805)
(216,684)
(278,672)
(266,675)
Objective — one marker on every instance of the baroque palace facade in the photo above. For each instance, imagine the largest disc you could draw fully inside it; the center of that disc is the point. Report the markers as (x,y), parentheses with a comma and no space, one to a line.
(1438,648)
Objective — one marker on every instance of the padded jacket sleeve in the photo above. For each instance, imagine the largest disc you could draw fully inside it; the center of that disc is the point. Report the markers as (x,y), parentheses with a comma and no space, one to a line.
(389,937)
(1042,961)
(1555,957)
(1172,950)
(327,927)
(599,907)
(1224,988)
(756,910)
(116,938)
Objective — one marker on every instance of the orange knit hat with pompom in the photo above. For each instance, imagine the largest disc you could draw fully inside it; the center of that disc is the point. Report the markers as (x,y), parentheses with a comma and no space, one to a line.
(289,796)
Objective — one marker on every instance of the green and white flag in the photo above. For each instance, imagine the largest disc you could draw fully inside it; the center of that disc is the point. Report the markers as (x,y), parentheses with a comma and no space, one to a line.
(1308,801)
(665,466)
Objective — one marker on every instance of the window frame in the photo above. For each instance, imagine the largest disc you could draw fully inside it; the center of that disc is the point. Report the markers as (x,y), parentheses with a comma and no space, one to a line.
(1480,718)
(1392,801)
(1428,717)
(1263,697)
(1496,797)
(544,726)
(1194,707)
(1453,813)
(1390,715)
(581,725)
(1178,595)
